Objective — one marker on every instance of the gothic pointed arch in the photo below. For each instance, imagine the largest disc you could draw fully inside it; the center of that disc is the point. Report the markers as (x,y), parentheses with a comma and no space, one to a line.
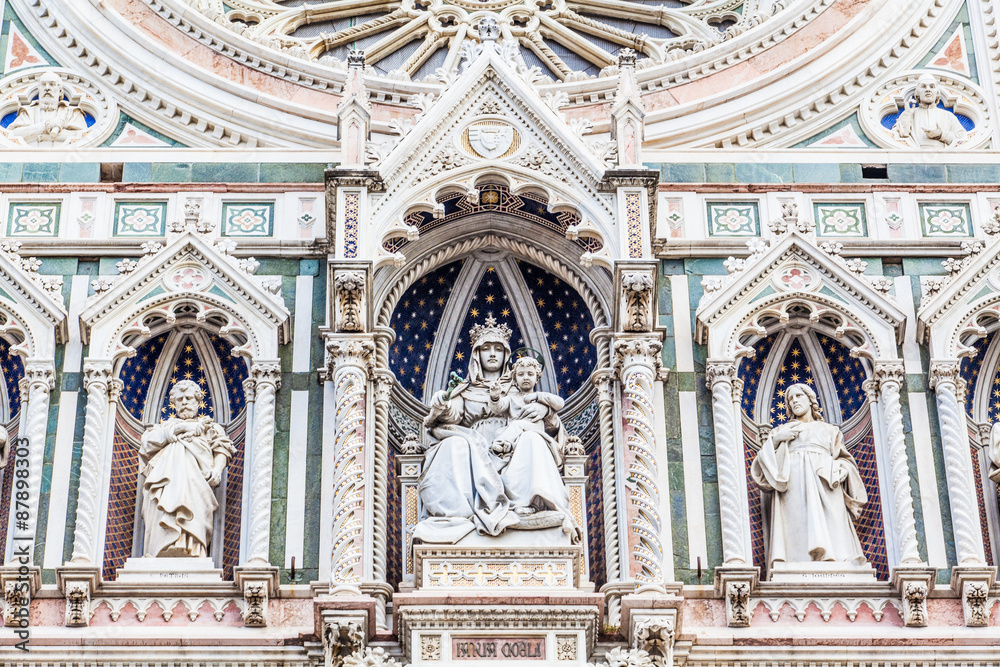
(189,310)
(32,322)
(794,312)
(958,321)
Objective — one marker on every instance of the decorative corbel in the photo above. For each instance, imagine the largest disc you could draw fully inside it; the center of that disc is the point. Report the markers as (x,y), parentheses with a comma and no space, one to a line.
(914,585)
(78,585)
(735,585)
(654,634)
(973,585)
(350,287)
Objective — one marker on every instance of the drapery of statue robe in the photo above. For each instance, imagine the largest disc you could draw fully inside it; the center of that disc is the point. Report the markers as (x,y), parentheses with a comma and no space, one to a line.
(460,489)
(808,504)
(178,503)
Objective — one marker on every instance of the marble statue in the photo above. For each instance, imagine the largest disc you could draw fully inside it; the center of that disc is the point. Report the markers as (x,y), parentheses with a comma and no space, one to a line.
(183,460)
(926,124)
(496,447)
(812,491)
(49,120)
(994,454)
(4,447)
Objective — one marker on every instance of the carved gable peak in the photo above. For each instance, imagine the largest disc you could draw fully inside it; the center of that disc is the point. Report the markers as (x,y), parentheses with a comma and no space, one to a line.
(188,264)
(492,115)
(793,262)
(973,277)
(39,294)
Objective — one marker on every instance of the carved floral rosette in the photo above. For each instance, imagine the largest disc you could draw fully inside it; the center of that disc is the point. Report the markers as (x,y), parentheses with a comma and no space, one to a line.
(21,88)
(957,93)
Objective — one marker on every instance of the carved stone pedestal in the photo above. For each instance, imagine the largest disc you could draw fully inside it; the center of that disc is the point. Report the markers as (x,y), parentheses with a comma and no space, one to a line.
(161,571)
(973,585)
(736,584)
(483,604)
(914,585)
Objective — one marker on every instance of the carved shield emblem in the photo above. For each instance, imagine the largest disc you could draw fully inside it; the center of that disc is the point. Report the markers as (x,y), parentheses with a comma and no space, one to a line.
(491,140)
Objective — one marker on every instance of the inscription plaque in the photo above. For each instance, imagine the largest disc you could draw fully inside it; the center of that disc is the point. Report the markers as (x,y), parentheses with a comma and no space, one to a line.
(498,648)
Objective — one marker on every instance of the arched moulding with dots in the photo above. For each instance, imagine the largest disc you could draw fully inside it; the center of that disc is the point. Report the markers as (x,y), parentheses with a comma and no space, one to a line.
(54,108)
(498,200)
(207,315)
(798,312)
(567,40)
(882,110)
(17,335)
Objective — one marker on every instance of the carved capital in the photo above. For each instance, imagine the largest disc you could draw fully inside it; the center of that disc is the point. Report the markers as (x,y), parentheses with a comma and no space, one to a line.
(370,657)
(384,381)
(637,301)
(357,352)
(255,597)
(602,380)
(643,351)
(248,389)
(38,376)
(266,373)
(341,638)
(115,388)
(889,373)
(96,373)
(350,290)
(720,371)
(619,657)
(870,388)
(77,604)
(944,372)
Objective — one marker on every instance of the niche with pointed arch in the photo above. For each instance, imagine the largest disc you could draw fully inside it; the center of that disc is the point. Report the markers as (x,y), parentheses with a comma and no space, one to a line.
(547,316)
(12,370)
(172,352)
(815,358)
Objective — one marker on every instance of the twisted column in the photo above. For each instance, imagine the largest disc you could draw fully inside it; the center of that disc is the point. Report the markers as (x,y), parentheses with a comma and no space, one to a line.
(949,388)
(720,377)
(266,376)
(638,359)
(39,380)
(889,378)
(380,487)
(96,378)
(349,362)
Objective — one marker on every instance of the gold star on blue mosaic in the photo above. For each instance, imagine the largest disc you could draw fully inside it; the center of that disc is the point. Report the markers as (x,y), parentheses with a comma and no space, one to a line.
(415,322)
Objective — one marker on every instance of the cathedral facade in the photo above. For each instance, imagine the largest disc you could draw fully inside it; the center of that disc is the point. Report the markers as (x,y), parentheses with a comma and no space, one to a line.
(626,333)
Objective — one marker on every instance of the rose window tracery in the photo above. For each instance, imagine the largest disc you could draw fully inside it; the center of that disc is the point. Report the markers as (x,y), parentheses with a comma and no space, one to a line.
(422,39)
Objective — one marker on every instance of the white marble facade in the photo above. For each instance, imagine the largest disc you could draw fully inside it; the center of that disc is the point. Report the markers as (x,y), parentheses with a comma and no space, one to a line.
(457,332)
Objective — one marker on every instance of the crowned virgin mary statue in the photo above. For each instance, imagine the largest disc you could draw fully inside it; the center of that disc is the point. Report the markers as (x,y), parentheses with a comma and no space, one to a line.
(493,462)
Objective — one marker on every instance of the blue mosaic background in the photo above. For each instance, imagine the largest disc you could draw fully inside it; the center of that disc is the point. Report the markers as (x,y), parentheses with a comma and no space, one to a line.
(562,312)
(490,300)
(415,322)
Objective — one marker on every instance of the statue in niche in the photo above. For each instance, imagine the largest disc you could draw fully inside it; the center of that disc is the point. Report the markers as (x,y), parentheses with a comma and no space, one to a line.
(925,124)
(812,491)
(4,447)
(994,454)
(496,447)
(49,120)
(183,460)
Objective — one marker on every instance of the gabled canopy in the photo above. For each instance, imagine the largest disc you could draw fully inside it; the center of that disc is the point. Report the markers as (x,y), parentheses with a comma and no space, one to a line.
(188,270)
(794,272)
(964,305)
(32,311)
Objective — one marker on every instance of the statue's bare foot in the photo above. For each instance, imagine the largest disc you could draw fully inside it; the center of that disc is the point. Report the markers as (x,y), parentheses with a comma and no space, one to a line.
(524,511)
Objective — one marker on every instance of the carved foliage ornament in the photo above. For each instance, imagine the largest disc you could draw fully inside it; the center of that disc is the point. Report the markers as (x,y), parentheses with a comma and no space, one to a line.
(637,302)
(77,604)
(340,641)
(55,108)
(350,286)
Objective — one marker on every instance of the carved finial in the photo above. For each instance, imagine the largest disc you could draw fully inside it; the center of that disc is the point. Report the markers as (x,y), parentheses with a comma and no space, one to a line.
(355,58)
(489,29)
(626,58)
